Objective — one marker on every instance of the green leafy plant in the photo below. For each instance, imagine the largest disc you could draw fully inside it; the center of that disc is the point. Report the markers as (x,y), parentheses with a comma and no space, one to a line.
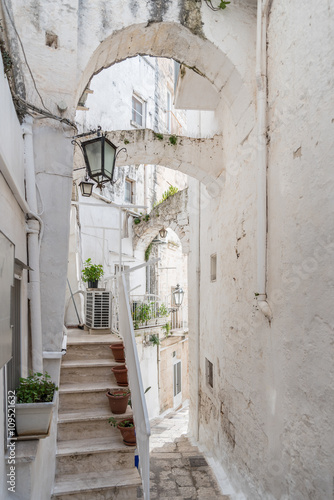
(91,272)
(137,220)
(124,423)
(159,136)
(148,252)
(126,141)
(173,139)
(167,328)
(169,192)
(37,388)
(163,310)
(143,313)
(154,339)
(223,5)
(146,218)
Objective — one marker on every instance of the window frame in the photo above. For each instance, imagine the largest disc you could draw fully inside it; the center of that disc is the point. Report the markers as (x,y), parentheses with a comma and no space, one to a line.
(213,267)
(133,192)
(135,112)
(209,373)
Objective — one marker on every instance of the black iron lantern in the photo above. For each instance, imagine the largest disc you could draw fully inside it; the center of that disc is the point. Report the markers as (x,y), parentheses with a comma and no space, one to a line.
(86,187)
(100,158)
(178,295)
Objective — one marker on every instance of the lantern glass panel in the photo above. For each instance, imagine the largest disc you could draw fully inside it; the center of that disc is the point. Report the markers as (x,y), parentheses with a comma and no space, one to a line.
(178,295)
(109,159)
(93,152)
(86,188)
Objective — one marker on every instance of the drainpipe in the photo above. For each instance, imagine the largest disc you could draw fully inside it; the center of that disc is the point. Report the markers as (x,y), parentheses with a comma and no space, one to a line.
(261,81)
(34,228)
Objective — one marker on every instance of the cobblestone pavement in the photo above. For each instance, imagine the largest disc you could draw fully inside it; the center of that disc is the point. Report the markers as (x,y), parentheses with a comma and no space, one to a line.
(178,469)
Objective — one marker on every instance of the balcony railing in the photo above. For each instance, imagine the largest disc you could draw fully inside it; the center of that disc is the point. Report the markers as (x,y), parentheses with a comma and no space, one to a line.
(151,311)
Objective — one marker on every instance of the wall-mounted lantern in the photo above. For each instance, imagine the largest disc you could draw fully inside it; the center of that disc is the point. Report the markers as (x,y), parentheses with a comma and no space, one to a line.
(163,233)
(86,187)
(178,294)
(100,157)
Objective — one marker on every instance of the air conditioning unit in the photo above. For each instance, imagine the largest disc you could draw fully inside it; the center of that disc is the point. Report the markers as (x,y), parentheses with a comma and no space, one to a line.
(98,309)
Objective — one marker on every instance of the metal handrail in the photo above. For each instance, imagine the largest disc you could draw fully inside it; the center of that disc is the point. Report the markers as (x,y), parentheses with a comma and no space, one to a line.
(140,413)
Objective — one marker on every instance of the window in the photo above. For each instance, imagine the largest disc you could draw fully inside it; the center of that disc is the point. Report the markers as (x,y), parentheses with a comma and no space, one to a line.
(129,194)
(138,112)
(169,112)
(209,372)
(213,267)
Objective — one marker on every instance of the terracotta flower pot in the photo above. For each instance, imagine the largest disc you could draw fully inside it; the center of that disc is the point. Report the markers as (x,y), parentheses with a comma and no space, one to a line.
(128,433)
(121,375)
(118,401)
(118,351)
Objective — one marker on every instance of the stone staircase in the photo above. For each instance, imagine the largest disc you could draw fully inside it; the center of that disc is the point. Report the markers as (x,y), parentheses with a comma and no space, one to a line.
(91,462)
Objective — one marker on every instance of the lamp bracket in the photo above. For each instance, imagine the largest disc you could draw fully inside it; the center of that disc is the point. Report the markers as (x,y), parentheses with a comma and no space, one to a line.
(85,134)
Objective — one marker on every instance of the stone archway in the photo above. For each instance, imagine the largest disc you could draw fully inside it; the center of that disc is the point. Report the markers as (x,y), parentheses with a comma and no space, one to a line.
(200,158)
(171,213)
(172,40)
(91,36)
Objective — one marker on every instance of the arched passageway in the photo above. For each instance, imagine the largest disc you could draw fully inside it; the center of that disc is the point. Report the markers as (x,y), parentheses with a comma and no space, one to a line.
(171,213)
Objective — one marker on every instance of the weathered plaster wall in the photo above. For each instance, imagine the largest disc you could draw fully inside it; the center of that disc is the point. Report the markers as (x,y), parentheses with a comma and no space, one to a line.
(180,348)
(53,165)
(269,416)
(149,369)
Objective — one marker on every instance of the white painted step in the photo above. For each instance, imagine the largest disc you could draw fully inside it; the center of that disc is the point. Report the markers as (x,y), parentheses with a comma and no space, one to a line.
(81,351)
(89,455)
(84,396)
(87,371)
(90,423)
(110,485)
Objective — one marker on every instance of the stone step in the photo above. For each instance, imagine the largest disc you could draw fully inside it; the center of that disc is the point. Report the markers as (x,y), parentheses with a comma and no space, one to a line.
(87,371)
(73,425)
(121,485)
(84,396)
(97,350)
(93,455)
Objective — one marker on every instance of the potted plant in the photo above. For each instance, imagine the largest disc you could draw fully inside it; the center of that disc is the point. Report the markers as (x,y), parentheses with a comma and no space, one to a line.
(127,429)
(91,273)
(121,375)
(118,351)
(118,400)
(35,400)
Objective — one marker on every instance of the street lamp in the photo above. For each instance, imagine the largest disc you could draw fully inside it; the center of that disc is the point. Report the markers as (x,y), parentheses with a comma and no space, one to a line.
(178,295)
(100,157)
(86,187)
(163,233)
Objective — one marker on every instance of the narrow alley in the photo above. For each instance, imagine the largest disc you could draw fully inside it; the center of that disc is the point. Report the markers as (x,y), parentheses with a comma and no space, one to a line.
(178,469)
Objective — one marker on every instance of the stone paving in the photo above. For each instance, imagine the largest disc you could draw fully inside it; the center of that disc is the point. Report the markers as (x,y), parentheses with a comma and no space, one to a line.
(178,469)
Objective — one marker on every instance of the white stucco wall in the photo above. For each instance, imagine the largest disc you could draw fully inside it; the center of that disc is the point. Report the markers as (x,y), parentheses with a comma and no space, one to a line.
(268,418)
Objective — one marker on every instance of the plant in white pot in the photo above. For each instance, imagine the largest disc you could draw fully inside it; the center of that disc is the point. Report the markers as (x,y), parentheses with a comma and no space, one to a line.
(35,400)
(91,273)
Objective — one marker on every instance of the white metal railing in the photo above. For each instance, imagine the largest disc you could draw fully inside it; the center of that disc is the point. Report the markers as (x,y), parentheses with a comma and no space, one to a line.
(150,310)
(140,413)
